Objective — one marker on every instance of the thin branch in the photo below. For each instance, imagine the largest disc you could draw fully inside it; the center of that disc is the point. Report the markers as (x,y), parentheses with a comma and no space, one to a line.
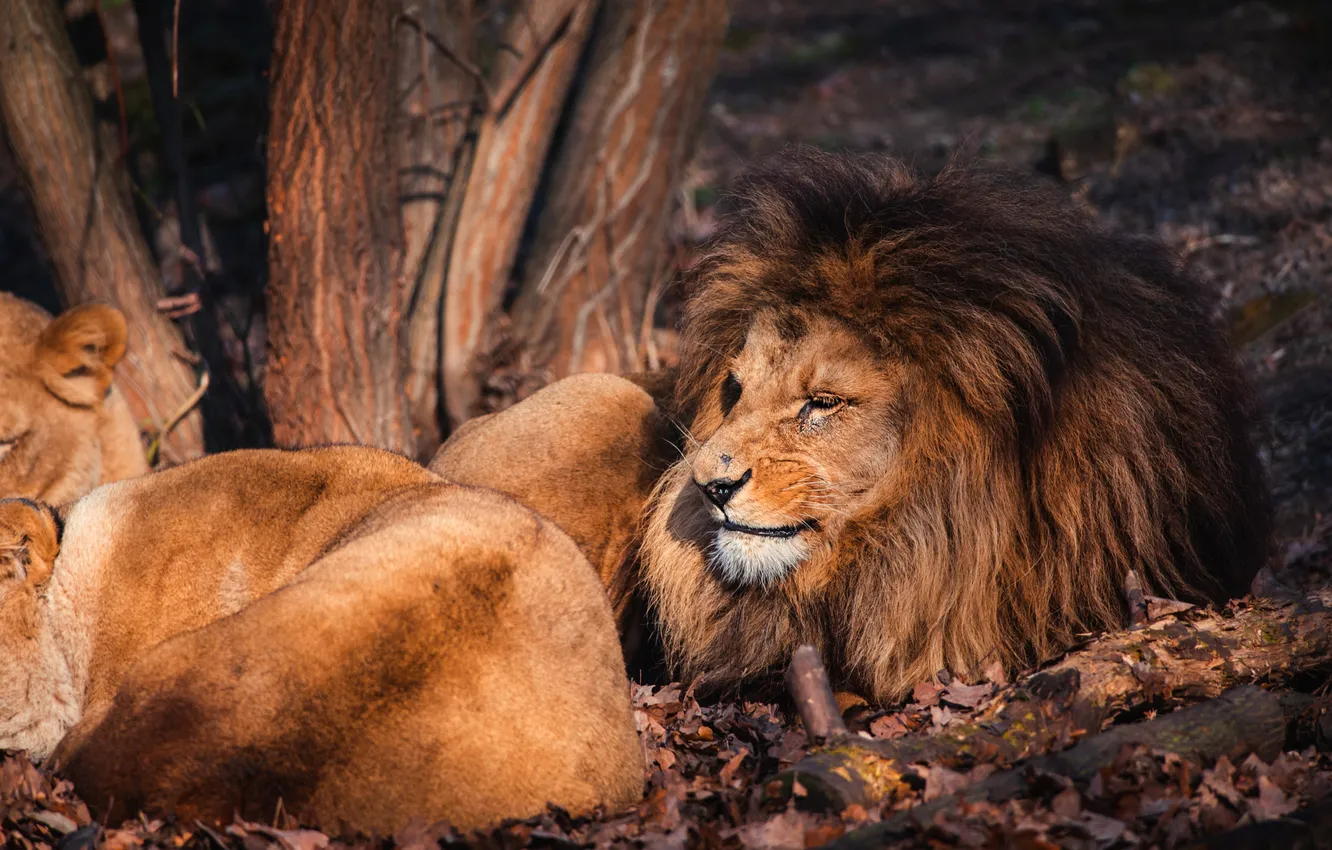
(807,680)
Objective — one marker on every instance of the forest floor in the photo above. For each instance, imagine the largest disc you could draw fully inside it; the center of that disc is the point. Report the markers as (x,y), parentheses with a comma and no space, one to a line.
(1204,122)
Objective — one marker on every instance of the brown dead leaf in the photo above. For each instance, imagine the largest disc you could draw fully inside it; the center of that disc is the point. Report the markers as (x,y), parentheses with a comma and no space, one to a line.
(888,727)
(926,693)
(967,696)
(1271,801)
(727,774)
(1220,780)
(1103,830)
(791,747)
(1158,607)
(666,758)
(940,717)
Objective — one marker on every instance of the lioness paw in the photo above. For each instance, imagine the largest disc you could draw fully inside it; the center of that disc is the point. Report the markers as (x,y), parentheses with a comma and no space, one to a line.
(29,541)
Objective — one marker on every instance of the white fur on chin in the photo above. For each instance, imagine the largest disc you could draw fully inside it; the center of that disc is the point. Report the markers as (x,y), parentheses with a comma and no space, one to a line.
(753,559)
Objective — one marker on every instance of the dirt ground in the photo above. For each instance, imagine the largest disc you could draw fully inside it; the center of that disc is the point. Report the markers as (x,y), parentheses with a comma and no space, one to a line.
(1208,123)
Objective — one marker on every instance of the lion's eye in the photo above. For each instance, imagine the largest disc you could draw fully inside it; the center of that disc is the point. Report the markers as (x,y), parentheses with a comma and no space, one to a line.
(5,446)
(730,392)
(820,405)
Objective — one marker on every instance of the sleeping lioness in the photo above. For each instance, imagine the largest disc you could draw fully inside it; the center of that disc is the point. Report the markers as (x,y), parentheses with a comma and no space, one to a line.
(64,428)
(336,629)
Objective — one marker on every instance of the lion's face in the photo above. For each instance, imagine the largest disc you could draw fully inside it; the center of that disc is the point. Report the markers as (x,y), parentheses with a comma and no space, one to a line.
(800,435)
(63,429)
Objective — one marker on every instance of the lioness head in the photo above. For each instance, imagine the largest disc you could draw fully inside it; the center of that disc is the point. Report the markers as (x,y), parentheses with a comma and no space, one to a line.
(63,428)
(934,422)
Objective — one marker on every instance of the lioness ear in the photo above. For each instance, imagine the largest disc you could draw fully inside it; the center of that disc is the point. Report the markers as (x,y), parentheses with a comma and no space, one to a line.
(78,350)
(29,541)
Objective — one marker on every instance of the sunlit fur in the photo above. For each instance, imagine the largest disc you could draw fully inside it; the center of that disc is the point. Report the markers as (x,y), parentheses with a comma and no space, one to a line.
(64,427)
(1040,405)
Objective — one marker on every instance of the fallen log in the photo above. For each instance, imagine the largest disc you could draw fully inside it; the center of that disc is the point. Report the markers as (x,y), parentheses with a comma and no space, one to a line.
(1182,660)
(1239,722)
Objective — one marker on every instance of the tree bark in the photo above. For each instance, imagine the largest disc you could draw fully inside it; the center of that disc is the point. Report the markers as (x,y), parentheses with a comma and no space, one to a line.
(527,93)
(439,111)
(598,245)
(1166,664)
(336,297)
(80,198)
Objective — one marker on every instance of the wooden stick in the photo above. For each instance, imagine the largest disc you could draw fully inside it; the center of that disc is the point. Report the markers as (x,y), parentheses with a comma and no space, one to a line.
(807,680)
(1137,601)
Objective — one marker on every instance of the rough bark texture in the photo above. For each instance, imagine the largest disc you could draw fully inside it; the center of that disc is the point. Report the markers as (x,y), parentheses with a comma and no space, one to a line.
(1165,664)
(528,90)
(439,110)
(80,198)
(335,291)
(598,245)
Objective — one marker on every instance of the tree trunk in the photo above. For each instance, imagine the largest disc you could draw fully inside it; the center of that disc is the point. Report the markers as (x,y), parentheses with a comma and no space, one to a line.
(79,195)
(598,245)
(336,297)
(527,92)
(439,110)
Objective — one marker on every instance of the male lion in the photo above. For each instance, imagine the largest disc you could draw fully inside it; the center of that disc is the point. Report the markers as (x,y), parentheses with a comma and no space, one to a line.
(933,423)
(64,428)
(336,629)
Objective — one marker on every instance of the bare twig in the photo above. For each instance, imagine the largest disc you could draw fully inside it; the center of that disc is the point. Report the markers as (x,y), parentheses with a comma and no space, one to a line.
(175,51)
(807,680)
(155,447)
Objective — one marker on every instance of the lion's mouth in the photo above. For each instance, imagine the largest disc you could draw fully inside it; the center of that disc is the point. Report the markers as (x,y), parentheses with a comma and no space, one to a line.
(785,531)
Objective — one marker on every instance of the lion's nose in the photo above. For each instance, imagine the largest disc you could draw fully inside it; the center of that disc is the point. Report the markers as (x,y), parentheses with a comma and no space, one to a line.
(720,490)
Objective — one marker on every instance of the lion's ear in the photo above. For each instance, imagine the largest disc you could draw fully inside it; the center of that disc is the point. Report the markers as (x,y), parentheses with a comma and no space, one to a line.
(78,351)
(29,541)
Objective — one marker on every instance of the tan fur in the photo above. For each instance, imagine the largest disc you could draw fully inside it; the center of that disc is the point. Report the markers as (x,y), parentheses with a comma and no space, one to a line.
(584,452)
(64,428)
(1016,408)
(335,628)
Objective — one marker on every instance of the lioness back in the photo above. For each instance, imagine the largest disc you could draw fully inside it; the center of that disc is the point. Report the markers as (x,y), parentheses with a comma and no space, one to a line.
(160,555)
(64,428)
(584,452)
(451,656)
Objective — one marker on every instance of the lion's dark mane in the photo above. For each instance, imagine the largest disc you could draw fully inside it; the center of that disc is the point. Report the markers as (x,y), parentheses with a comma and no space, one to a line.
(1080,416)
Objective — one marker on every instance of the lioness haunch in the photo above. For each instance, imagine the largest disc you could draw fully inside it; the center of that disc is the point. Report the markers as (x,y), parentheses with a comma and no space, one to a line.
(335,628)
